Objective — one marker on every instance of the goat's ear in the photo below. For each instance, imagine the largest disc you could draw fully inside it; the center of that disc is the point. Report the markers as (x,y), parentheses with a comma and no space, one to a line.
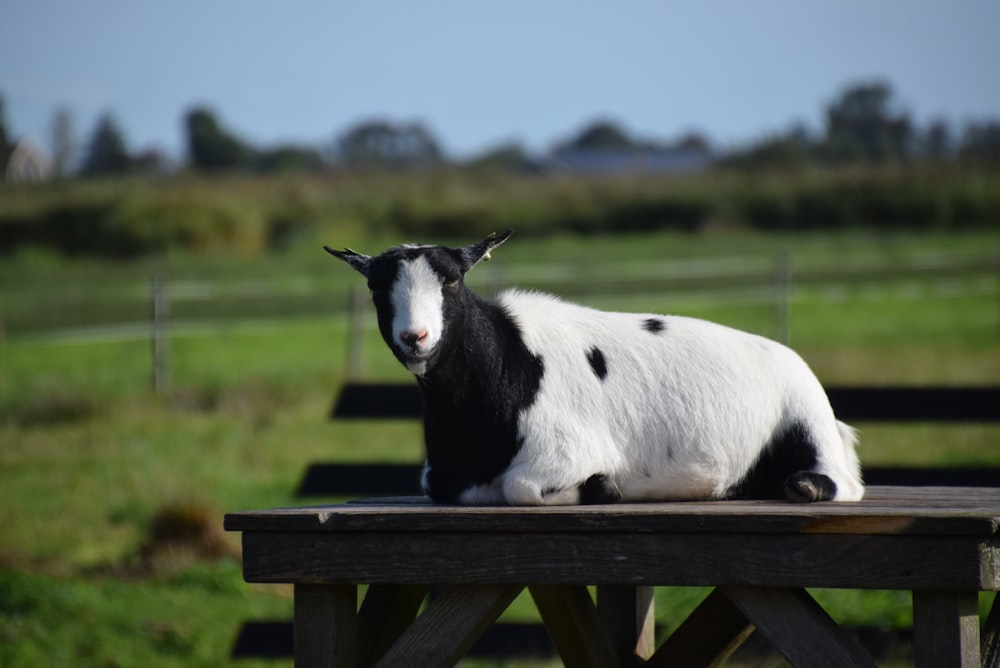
(474,254)
(361,263)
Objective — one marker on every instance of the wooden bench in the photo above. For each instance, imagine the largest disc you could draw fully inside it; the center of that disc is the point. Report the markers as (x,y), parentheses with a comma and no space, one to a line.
(943,544)
(862,404)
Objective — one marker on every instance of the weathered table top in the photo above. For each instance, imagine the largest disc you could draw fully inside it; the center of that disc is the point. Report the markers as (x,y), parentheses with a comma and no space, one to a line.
(942,543)
(897,538)
(885,510)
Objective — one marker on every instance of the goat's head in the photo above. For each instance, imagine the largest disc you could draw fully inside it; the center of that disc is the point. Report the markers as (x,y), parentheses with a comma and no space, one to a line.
(417,291)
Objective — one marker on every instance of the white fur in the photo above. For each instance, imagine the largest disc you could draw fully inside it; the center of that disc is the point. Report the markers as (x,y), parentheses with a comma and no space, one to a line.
(681,414)
(418,307)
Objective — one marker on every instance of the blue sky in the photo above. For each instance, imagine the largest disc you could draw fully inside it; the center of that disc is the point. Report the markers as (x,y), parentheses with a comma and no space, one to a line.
(482,73)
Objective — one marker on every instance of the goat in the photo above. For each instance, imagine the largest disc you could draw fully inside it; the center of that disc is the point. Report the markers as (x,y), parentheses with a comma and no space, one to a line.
(531,400)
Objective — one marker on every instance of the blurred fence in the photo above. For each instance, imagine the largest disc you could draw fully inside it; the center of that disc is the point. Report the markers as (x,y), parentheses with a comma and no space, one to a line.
(99,309)
(770,284)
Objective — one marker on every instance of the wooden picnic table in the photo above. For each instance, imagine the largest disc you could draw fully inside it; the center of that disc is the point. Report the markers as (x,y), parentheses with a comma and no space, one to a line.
(943,544)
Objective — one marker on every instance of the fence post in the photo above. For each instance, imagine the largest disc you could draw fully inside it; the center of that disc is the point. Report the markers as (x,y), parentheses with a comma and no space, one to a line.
(161,317)
(782,295)
(355,332)
(499,277)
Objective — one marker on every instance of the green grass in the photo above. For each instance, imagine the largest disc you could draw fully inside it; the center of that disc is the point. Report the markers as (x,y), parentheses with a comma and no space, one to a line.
(101,621)
(89,456)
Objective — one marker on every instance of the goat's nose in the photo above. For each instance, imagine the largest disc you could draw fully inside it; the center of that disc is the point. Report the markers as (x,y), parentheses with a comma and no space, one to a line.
(412,338)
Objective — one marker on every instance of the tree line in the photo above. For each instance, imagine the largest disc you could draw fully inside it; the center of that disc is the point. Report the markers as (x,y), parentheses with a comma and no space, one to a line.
(864,124)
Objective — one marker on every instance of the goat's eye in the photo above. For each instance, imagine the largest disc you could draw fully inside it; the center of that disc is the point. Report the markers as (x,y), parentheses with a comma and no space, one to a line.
(451,282)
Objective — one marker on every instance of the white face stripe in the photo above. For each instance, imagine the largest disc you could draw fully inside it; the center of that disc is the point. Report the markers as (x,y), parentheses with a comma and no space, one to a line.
(417,302)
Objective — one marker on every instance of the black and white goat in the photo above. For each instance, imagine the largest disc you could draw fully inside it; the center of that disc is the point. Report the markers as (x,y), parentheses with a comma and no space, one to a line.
(531,400)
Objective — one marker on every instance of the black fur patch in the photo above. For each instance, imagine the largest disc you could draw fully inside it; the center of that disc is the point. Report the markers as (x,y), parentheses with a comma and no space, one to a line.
(654,325)
(807,486)
(598,489)
(789,457)
(471,418)
(598,363)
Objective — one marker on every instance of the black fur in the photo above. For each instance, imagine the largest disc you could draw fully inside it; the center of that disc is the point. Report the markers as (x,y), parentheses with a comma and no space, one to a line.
(784,469)
(598,489)
(480,377)
(598,363)
(483,378)
(654,325)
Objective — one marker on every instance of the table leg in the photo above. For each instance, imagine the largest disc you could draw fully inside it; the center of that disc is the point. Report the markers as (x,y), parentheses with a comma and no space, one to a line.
(452,621)
(386,612)
(628,614)
(574,625)
(326,625)
(946,628)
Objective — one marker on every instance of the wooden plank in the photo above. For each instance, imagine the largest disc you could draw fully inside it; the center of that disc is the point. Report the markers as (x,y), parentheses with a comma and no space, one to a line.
(798,627)
(387,610)
(378,479)
(502,641)
(946,629)
(449,625)
(629,615)
(710,634)
(821,560)
(930,511)
(867,404)
(378,401)
(923,476)
(259,639)
(973,498)
(916,404)
(573,623)
(359,480)
(326,630)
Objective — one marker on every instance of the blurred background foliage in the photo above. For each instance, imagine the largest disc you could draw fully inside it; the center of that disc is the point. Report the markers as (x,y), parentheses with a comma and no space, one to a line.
(873,166)
(252,214)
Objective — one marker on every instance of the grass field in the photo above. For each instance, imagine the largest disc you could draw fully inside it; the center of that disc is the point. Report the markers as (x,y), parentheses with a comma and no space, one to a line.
(93,465)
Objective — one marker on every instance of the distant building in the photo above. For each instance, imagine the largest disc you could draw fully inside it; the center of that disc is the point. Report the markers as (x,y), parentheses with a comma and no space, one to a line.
(27,164)
(633,160)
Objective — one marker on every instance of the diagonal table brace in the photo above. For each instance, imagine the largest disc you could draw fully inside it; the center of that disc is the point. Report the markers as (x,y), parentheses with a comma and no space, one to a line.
(709,635)
(798,627)
(450,624)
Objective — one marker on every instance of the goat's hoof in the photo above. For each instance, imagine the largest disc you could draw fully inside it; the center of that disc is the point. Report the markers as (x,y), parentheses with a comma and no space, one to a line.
(809,486)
